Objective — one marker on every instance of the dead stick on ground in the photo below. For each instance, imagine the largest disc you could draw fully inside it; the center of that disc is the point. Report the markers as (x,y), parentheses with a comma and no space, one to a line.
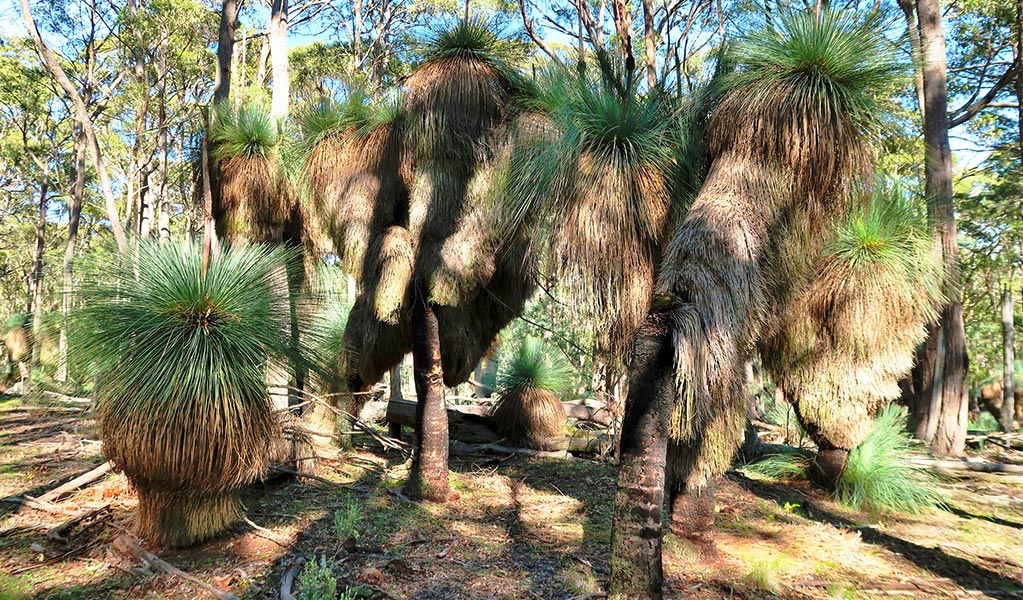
(266,533)
(288,580)
(57,533)
(965,465)
(287,471)
(128,547)
(77,482)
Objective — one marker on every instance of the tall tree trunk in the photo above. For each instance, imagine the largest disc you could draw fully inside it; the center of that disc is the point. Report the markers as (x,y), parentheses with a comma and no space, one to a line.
(1019,73)
(429,476)
(636,532)
(278,38)
(948,377)
(67,270)
(1008,362)
(52,65)
(37,268)
(914,44)
(649,39)
(225,48)
(162,195)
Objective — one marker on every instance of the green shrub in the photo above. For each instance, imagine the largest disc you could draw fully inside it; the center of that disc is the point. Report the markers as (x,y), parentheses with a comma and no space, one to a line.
(316,582)
(346,519)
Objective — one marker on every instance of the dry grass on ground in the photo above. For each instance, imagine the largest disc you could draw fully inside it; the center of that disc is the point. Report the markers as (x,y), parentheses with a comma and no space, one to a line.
(522,528)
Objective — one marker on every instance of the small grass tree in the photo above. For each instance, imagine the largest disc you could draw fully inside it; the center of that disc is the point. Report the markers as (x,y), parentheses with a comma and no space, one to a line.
(181,358)
(531,382)
(852,333)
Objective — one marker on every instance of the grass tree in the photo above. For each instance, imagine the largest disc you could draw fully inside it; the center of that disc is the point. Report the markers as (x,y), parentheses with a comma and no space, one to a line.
(788,140)
(531,382)
(253,201)
(181,357)
(596,180)
(604,175)
(847,339)
(411,209)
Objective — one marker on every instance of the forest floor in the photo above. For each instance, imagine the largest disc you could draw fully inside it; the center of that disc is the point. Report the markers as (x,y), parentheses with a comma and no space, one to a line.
(521,528)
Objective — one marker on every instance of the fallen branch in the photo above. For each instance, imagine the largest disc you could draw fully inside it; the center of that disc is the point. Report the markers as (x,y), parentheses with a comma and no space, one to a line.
(80,481)
(288,580)
(57,533)
(35,504)
(130,548)
(66,398)
(287,471)
(966,465)
(265,533)
(462,448)
(58,558)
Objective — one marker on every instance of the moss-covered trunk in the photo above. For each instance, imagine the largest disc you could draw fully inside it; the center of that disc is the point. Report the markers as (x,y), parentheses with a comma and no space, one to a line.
(429,477)
(636,535)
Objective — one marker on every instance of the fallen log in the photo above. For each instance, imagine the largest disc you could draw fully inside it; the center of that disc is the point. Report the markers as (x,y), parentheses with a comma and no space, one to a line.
(463,449)
(128,548)
(77,482)
(967,465)
(473,429)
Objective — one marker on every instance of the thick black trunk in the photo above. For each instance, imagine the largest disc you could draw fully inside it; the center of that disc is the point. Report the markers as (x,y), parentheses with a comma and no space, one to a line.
(636,534)
(428,479)
(829,466)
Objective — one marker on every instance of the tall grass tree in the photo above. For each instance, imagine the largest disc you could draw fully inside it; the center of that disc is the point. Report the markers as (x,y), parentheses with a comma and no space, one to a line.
(843,344)
(437,276)
(788,140)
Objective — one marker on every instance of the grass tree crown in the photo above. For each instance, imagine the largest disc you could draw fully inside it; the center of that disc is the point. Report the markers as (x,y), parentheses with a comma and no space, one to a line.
(808,93)
(596,178)
(535,364)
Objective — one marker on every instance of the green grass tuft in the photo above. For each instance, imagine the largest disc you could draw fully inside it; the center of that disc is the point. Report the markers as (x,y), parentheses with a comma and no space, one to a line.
(785,467)
(890,238)
(537,365)
(879,476)
(346,519)
(844,61)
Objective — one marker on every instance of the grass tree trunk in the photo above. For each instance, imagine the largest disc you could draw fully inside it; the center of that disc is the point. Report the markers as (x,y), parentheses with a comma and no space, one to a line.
(1008,362)
(68,267)
(225,48)
(636,534)
(278,38)
(429,477)
(944,388)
